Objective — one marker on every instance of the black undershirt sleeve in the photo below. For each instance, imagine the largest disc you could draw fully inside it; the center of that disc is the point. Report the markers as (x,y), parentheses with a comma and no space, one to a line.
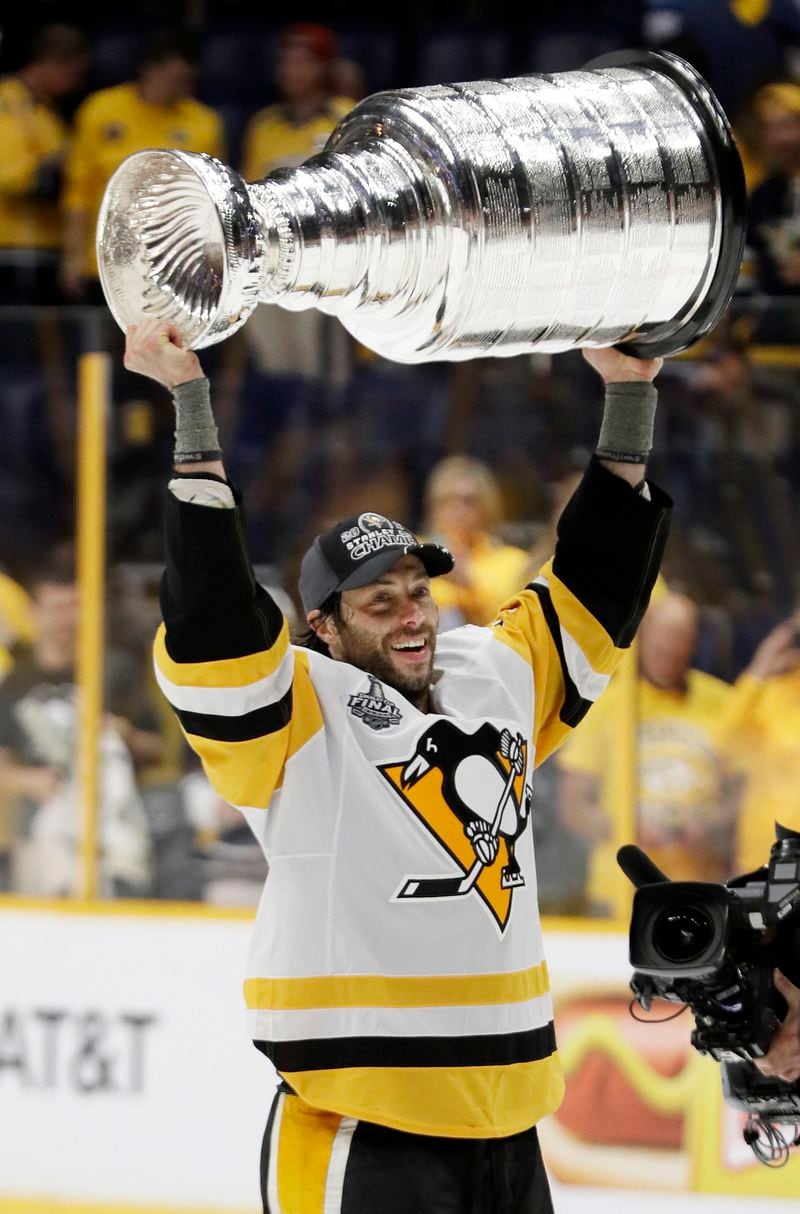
(610,544)
(213,607)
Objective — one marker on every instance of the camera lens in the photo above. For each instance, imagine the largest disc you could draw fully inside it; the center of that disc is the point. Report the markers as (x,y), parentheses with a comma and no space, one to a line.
(681,936)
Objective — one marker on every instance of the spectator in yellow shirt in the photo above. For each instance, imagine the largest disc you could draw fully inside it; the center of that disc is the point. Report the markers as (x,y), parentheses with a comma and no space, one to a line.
(297,348)
(463,504)
(33,139)
(764,725)
(157,110)
(687,793)
(16,620)
(300,360)
(296,127)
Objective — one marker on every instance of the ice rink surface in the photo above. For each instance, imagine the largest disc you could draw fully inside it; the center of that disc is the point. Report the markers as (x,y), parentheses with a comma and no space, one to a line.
(575,1199)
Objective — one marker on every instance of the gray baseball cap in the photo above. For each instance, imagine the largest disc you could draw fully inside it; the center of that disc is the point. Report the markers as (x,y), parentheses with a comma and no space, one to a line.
(357,551)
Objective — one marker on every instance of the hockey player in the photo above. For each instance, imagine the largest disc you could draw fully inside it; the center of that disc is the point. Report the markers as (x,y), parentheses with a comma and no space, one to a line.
(396,976)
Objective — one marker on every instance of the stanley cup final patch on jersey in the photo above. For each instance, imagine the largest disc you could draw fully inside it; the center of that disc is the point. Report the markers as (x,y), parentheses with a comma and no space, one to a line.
(373,707)
(469,790)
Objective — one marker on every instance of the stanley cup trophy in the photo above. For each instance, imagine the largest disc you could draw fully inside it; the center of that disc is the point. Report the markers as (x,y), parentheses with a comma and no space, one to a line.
(589,208)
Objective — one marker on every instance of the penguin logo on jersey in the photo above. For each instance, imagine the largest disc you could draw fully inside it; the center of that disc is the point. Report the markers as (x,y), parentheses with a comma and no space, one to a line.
(469,791)
(373,707)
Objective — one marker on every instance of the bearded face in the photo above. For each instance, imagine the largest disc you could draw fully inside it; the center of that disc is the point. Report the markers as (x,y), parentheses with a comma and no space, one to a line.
(388,629)
(403,660)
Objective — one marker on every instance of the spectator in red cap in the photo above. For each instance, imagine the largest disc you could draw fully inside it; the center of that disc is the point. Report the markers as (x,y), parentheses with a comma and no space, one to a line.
(307,34)
(302,356)
(290,131)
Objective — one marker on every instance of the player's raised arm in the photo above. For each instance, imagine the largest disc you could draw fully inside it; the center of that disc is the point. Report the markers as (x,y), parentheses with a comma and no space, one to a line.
(626,433)
(222,655)
(573,623)
(213,608)
(157,350)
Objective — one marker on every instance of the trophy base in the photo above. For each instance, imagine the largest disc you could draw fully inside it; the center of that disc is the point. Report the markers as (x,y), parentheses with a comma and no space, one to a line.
(700,315)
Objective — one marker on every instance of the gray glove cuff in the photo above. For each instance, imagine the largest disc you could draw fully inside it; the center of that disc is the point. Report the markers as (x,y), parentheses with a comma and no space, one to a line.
(196,439)
(626,432)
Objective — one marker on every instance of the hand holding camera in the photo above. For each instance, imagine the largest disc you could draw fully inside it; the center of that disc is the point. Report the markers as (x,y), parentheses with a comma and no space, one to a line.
(782,1060)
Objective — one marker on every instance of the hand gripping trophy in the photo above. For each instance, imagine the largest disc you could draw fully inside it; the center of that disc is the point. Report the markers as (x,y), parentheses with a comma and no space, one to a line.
(589,208)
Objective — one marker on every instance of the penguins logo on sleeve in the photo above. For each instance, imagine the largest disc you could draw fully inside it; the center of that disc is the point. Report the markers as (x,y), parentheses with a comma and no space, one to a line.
(469,791)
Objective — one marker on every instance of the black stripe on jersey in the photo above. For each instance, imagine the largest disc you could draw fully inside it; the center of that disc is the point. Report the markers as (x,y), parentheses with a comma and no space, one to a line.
(256,724)
(575,707)
(332,1053)
(610,544)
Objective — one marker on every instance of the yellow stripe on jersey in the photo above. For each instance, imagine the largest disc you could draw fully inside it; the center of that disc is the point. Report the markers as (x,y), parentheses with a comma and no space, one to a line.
(304,1146)
(528,636)
(376,990)
(248,773)
(522,626)
(227,672)
(452,1102)
(593,640)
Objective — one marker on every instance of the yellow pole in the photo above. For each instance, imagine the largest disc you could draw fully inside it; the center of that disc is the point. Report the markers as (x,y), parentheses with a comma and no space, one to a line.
(94,374)
(624,815)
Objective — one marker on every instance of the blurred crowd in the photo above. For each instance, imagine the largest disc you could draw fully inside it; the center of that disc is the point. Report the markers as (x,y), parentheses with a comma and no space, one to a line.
(481,455)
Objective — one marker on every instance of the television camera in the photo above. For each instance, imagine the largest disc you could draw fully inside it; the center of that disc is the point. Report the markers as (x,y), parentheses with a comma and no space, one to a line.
(715,948)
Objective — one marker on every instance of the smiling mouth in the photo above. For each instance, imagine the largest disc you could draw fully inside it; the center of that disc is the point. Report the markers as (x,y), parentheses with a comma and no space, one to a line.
(412,650)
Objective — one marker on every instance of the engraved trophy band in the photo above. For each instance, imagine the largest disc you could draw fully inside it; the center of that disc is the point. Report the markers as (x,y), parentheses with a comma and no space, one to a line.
(598,207)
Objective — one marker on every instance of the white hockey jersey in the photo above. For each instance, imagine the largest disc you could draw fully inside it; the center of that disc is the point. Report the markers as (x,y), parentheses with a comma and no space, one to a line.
(396,972)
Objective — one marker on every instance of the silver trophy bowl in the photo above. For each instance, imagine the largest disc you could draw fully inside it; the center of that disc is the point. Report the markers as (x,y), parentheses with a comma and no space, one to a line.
(592,208)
